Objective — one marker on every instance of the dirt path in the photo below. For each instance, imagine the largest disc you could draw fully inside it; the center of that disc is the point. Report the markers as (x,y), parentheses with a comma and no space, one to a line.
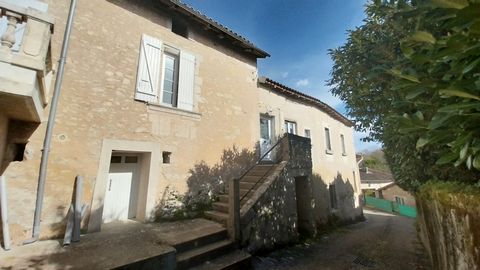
(383,241)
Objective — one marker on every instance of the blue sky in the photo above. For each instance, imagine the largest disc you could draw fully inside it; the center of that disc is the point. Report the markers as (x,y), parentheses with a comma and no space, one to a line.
(298,34)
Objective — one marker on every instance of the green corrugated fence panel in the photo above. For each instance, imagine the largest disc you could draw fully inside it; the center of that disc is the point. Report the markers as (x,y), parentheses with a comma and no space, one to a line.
(379,203)
(408,211)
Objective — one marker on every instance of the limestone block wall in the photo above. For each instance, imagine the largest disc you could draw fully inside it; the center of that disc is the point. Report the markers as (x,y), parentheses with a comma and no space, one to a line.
(449,225)
(97,104)
(285,208)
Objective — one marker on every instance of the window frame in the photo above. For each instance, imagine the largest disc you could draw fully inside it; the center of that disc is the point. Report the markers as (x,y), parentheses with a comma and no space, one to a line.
(294,124)
(328,141)
(342,142)
(309,133)
(170,52)
(333,196)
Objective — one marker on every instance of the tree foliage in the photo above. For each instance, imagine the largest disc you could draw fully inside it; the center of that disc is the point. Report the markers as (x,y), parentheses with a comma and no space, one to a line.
(410,75)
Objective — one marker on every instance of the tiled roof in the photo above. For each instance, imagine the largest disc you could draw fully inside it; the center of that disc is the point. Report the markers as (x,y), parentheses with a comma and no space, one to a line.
(375,176)
(223,31)
(301,97)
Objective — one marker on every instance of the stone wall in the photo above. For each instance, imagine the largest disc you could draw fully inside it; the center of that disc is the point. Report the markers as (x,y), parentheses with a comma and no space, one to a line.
(97,107)
(449,225)
(274,219)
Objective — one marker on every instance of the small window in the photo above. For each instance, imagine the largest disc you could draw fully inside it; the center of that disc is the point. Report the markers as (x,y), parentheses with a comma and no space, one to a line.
(342,140)
(328,143)
(166,157)
(116,159)
(180,28)
(307,133)
(170,79)
(400,200)
(131,159)
(333,197)
(290,127)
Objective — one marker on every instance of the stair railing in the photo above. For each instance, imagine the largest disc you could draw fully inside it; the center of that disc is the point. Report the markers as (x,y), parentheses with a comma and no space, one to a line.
(233,223)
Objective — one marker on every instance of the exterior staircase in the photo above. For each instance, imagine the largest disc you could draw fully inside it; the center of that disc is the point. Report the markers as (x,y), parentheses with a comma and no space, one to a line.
(212,250)
(249,183)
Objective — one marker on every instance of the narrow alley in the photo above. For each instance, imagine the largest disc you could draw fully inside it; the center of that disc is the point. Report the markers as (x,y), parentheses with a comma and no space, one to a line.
(383,241)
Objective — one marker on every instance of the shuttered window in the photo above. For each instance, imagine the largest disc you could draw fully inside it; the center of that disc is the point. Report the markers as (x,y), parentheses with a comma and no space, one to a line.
(165,77)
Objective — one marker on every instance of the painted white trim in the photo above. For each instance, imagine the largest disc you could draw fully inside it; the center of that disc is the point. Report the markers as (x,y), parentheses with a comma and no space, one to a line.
(146,201)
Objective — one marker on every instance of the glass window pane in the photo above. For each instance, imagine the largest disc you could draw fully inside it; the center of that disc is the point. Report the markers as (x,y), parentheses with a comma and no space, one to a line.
(168,86)
(169,74)
(167,97)
(169,62)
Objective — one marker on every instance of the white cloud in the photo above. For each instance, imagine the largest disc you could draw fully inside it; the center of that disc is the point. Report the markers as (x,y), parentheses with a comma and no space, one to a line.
(284,75)
(302,82)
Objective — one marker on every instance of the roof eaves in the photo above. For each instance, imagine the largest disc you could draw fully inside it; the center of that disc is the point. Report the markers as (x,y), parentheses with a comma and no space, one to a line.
(306,98)
(210,23)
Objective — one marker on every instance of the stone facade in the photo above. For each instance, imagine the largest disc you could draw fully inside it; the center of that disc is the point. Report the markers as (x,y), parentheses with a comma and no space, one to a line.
(97,112)
(330,167)
(98,117)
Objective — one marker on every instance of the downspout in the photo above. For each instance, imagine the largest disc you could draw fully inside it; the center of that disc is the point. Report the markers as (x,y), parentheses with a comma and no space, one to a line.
(51,122)
(3,210)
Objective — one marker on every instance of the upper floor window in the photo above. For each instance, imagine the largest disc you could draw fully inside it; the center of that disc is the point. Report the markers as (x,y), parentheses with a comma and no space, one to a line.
(179,28)
(307,133)
(342,140)
(328,143)
(165,75)
(291,127)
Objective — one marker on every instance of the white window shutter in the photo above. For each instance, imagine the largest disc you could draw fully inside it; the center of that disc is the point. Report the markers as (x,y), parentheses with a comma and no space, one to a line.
(149,66)
(186,81)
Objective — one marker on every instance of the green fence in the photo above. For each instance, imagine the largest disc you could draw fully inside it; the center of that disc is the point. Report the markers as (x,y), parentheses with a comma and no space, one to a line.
(391,207)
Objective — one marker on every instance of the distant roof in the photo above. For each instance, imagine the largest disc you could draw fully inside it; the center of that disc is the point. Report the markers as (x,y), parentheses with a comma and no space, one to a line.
(212,25)
(375,176)
(301,97)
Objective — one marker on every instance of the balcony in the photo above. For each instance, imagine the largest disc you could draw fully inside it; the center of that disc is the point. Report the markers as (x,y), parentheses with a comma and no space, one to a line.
(25,61)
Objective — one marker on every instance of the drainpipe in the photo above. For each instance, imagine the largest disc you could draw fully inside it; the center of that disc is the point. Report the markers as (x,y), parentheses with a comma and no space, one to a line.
(3,210)
(51,122)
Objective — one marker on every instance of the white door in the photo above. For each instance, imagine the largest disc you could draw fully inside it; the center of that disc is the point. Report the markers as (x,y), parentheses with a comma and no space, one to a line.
(266,136)
(122,189)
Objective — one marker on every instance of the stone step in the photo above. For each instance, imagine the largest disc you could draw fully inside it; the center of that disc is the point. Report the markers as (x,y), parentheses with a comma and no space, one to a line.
(217,216)
(235,260)
(250,179)
(201,254)
(261,170)
(201,239)
(247,185)
(223,198)
(220,207)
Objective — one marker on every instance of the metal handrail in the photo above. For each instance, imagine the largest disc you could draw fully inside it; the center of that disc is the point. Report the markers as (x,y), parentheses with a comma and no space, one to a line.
(256,163)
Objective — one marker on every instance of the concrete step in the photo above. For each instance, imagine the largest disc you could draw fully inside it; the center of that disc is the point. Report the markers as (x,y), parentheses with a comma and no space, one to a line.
(235,260)
(223,198)
(217,216)
(220,207)
(201,254)
(202,240)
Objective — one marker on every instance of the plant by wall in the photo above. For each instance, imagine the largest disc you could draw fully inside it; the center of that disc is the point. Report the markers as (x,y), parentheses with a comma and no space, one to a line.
(410,76)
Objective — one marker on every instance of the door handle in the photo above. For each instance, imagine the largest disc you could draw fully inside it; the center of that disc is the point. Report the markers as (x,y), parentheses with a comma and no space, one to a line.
(110,185)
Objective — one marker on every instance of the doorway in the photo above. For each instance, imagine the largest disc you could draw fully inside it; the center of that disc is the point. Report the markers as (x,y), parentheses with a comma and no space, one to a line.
(304,208)
(121,195)
(266,136)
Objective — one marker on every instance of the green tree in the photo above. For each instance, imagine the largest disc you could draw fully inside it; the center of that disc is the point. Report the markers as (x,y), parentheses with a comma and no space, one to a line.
(410,75)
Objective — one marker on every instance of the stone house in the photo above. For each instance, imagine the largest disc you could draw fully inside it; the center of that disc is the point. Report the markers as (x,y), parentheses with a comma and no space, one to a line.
(381,185)
(152,88)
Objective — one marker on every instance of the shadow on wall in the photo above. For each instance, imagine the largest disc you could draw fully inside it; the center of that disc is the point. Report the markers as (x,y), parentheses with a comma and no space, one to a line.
(204,185)
(335,202)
